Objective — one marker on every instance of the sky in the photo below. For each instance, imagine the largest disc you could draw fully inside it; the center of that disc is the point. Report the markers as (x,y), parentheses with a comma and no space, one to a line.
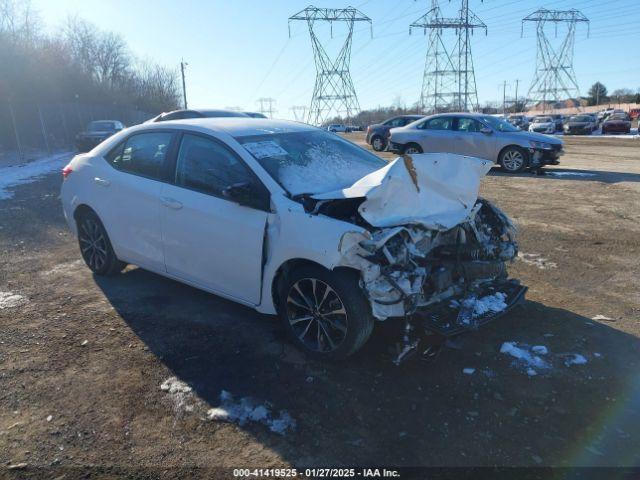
(240,50)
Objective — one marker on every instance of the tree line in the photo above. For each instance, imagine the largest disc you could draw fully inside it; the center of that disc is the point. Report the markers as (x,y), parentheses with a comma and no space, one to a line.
(79,62)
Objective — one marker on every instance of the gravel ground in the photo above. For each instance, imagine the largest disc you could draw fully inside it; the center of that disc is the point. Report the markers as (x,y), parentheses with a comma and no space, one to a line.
(83,359)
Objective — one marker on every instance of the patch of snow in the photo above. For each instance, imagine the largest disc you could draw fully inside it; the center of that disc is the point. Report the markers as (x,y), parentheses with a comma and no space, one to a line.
(536,260)
(29,172)
(173,385)
(539,349)
(11,300)
(575,359)
(570,174)
(468,371)
(248,410)
(525,357)
(84,342)
(601,317)
(491,303)
(597,355)
(49,418)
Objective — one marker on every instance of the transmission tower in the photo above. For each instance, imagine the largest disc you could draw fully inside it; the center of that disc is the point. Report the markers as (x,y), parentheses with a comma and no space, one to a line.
(333,93)
(554,79)
(266,106)
(299,113)
(449,81)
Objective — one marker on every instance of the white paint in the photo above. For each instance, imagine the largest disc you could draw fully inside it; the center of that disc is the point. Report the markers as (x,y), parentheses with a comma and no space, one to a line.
(435,190)
(29,172)
(11,300)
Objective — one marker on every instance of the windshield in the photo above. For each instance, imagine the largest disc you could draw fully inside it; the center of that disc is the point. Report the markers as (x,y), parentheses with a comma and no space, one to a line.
(581,118)
(618,116)
(500,124)
(102,126)
(542,120)
(312,161)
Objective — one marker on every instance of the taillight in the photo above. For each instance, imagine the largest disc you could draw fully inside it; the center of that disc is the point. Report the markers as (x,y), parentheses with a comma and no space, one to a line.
(66,171)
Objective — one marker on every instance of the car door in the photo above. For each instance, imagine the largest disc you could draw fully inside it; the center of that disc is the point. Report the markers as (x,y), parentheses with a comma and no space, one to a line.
(214,215)
(470,140)
(130,209)
(436,135)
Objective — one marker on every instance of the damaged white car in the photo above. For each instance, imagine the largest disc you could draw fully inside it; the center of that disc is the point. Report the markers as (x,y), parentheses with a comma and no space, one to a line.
(290,219)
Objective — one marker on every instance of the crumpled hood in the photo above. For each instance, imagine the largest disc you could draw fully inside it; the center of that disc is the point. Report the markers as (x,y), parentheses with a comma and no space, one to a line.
(435,190)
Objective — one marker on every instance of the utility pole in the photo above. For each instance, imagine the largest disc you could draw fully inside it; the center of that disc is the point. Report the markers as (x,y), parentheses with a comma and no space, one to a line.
(334,93)
(554,79)
(183,64)
(517,107)
(299,112)
(266,106)
(504,99)
(449,79)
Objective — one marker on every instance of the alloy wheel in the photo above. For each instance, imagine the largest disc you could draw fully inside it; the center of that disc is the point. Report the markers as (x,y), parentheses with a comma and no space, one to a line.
(316,315)
(513,160)
(93,244)
(377,144)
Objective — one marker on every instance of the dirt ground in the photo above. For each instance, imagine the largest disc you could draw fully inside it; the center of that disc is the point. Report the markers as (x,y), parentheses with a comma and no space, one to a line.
(82,358)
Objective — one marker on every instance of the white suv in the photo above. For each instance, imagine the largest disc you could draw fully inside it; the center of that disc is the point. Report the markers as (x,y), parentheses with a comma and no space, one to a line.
(274,215)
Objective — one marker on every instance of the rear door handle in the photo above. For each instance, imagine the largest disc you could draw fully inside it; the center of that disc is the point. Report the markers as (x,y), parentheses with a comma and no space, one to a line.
(171,203)
(101,181)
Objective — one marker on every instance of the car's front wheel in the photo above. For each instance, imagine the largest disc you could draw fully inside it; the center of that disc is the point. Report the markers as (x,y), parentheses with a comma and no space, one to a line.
(513,159)
(325,312)
(95,245)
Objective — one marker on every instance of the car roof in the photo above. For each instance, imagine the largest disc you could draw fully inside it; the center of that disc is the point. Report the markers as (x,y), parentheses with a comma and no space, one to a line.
(236,126)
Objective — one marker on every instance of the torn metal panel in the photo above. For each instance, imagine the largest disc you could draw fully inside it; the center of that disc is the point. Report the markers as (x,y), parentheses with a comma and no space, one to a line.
(435,190)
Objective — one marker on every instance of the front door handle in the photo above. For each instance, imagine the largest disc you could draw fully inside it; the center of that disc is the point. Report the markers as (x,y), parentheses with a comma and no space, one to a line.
(171,203)
(101,181)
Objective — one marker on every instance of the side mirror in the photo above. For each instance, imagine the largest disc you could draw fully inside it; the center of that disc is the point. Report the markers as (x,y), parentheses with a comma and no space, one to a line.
(486,130)
(248,194)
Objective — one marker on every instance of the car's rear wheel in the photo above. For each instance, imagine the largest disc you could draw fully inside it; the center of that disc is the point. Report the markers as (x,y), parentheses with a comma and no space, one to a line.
(378,143)
(412,149)
(513,159)
(325,313)
(95,245)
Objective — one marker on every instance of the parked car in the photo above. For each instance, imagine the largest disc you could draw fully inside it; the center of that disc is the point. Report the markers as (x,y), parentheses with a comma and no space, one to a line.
(186,114)
(478,135)
(286,218)
(580,125)
(377,134)
(616,123)
(337,127)
(96,132)
(543,125)
(255,114)
(559,121)
(520,121)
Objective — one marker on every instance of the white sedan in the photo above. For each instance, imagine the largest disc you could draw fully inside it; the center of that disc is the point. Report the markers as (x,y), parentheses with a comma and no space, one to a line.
(290,219)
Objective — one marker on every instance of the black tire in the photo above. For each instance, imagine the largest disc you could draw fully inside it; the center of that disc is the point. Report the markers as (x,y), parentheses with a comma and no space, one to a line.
(412,148)
(509,162)
(95,246)
(306,317)
(378,143)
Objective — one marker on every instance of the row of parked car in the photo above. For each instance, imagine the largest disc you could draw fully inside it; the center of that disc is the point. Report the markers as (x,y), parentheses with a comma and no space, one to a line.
(608,121)
(473,134)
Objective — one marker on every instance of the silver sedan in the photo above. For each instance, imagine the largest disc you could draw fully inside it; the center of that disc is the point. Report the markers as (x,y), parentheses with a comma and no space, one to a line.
(478,135)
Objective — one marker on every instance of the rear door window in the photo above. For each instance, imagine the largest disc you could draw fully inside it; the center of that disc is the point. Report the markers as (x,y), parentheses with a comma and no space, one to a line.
(142,154)
(438,123)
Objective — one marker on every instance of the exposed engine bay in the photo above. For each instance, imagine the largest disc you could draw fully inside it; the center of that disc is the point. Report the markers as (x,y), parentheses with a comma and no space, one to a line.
(445,270)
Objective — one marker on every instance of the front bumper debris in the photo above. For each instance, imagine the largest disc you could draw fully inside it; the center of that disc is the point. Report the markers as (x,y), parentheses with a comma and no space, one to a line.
(452,317)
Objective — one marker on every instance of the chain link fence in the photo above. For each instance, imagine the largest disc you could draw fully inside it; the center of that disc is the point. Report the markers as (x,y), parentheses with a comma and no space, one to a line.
(30,130)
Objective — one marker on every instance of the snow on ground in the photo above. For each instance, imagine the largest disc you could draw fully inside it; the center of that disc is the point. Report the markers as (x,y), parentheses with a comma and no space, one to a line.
(468,371)
(29,172)
(601,317)
(528,358)
(569,174)
(536,260)
(248,410)
(11,300)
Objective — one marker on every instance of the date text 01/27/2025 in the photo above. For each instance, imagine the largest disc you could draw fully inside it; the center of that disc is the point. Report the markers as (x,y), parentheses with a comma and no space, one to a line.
(315,473)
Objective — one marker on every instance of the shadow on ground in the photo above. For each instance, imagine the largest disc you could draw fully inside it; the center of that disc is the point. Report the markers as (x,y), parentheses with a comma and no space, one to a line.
(573,174)
(367,411)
